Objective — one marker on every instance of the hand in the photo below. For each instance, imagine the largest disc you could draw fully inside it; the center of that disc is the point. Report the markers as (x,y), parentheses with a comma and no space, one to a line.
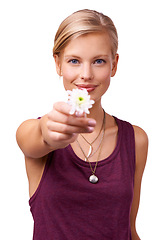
(61,128)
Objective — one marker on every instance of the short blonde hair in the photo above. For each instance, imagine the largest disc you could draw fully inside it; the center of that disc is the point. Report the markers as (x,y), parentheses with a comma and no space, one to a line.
(84,22)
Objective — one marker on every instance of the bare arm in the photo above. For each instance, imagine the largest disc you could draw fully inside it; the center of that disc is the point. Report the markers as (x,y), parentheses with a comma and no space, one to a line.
(30,140)
(141,147)
(38,137)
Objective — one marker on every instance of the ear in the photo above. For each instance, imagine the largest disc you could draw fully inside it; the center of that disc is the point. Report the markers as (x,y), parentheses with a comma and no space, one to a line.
(114,65)
(58,65)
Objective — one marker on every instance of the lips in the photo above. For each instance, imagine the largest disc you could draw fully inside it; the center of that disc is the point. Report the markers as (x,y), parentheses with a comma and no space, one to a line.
(88,87)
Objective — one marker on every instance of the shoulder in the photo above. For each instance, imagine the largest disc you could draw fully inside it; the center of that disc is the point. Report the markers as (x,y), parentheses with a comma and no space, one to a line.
(141,145)
(141,138)
(140,142)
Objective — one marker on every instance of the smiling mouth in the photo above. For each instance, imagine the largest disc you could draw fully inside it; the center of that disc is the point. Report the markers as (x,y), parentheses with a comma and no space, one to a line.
(88,87)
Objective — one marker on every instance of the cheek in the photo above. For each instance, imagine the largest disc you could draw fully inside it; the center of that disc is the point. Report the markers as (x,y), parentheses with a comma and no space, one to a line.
(69,73)
(104,76)
(68,77)
(104,80)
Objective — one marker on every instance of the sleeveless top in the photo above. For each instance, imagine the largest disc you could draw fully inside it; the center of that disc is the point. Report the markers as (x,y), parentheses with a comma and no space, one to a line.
(66,206)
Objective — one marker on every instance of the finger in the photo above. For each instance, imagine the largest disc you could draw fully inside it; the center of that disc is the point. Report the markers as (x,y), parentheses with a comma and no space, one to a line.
(68,129)
(62,107)
(65,108)
(78,114)
(61,137)
(57,116)
(72,120)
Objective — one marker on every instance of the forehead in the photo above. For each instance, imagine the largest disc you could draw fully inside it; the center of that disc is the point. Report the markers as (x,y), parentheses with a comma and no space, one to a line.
(89,44)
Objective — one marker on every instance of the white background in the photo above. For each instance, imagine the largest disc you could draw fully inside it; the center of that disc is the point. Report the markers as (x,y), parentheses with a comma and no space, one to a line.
(29,86)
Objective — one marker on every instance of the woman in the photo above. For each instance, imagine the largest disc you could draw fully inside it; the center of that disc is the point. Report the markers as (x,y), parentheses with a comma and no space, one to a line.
(84,172)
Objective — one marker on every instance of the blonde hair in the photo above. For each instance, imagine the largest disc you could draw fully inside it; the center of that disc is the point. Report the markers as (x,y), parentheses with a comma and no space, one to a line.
(84,22)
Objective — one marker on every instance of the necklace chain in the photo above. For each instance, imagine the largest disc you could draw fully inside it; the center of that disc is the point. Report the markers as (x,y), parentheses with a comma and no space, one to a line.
(90,154)
(87,158)
(90,143)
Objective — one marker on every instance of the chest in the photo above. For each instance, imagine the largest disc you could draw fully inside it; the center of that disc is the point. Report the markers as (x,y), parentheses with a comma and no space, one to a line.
(67,183)
(100,149)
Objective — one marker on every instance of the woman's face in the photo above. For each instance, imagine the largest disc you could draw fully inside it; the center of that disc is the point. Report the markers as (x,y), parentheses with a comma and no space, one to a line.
(86,62)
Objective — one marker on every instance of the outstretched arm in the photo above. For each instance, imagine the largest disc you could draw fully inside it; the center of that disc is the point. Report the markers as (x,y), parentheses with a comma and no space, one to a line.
(141,148)
(38,137)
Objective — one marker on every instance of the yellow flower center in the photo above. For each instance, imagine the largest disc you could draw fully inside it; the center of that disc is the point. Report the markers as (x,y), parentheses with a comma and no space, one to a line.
(80,100)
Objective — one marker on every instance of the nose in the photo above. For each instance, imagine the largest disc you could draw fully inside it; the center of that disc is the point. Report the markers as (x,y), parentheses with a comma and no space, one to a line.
(86,72)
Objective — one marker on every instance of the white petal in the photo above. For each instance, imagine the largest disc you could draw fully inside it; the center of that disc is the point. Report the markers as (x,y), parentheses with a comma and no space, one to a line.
(76,104)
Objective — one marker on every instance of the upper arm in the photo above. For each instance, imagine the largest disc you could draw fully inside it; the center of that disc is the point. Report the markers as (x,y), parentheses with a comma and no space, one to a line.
(34,169)
(28,135)
(30,140)
(141,149)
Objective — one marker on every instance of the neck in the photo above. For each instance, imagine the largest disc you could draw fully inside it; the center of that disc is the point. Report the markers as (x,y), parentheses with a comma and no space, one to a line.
(96,112)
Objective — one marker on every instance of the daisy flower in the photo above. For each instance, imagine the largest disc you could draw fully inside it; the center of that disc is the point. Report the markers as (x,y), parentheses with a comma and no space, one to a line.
(79,100)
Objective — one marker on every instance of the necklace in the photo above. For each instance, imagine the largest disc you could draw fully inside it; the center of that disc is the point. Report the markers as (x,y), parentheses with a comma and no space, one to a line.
(93,178)
(90,152)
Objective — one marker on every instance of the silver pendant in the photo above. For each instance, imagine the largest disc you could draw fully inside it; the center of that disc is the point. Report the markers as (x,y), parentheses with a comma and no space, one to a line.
(93,179)
(89,153)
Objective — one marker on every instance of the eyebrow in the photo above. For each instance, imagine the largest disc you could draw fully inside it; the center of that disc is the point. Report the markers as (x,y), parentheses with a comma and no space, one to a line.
(71,56)
(101,56)
(98,56)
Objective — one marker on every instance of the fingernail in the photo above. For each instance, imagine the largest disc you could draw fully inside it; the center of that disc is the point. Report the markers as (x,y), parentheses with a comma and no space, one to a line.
(90,129)
(92,123)
(78,114)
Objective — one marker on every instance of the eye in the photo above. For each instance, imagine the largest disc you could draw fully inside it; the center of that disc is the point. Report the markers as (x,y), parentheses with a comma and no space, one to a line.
(99,61)
(73,61)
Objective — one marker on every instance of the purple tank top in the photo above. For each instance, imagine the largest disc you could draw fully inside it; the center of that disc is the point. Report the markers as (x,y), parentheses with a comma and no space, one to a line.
(66,206)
